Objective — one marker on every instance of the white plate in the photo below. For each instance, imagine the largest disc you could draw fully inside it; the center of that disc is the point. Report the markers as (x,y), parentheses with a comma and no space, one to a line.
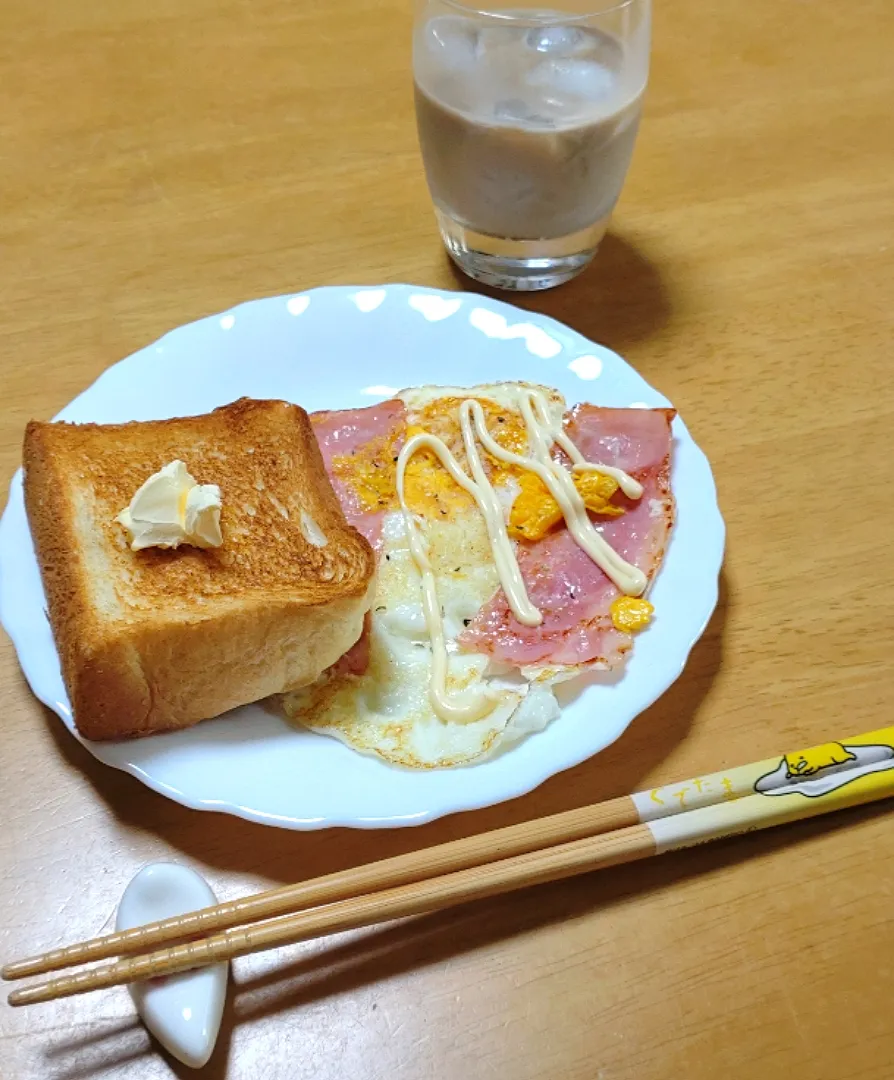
(337,348)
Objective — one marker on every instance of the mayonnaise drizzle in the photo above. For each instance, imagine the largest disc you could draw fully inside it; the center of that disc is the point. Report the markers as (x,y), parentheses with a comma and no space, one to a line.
(543,433)
(463,707)
(488,503)
(633,489)
(629,579)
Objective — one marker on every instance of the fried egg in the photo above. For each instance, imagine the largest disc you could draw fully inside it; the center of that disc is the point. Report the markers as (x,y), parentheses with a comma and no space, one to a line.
(387,711)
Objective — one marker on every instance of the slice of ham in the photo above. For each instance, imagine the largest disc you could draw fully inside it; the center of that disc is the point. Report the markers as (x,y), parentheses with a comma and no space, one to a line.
(570,590)
(356,660)
(346,432)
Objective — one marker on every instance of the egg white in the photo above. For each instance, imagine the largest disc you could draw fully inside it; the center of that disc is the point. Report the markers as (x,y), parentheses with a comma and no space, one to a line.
(387,711)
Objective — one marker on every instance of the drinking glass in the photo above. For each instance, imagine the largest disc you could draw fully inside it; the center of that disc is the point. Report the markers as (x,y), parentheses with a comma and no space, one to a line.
(527,119)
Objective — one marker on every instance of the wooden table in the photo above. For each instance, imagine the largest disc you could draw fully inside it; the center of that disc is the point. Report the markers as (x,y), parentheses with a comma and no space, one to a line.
(164,161)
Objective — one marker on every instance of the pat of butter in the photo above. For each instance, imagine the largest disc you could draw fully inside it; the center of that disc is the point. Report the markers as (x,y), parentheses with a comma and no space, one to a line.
(171,509)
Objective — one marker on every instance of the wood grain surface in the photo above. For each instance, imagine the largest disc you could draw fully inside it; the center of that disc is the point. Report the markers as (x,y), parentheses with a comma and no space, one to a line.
(163,161)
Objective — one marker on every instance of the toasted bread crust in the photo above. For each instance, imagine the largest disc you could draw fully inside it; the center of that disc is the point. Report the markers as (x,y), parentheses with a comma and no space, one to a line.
(59,556)
(157,640)
(147,682)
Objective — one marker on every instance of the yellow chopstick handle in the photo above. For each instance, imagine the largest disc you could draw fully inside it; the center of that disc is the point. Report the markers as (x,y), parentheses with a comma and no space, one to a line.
(773,806)
(798,771)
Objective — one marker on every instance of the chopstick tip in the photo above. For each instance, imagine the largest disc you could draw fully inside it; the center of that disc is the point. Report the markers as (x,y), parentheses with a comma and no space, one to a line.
(19,969)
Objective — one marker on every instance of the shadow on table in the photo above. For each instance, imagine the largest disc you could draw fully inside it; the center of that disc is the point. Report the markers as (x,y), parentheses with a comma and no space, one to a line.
(620,300)
(622,297)
(392,950)
(231,845)
(120,1048)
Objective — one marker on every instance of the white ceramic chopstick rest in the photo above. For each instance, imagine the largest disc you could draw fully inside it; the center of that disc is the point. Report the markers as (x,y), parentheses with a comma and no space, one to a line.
(182,1011)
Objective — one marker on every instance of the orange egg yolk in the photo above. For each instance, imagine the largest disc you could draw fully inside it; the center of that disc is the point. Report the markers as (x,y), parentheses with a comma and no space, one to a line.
(631,613)
(535,511)
(429,489)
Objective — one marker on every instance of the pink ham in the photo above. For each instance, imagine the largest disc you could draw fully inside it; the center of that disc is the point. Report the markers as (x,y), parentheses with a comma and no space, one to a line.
(570,590)
(342,433)
(347,431)
(356,660)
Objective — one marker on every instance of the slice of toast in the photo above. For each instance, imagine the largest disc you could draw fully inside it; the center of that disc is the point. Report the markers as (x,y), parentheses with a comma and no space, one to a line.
(157,639)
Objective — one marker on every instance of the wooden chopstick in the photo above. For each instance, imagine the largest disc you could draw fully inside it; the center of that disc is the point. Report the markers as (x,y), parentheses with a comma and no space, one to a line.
(851,786)
(476,883)
(402,869)
(373,877)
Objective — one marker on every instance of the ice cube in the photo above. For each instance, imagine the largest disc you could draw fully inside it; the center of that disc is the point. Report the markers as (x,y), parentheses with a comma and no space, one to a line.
(584,80)
(498,37)
(453,41)
(557,40)
(519,110)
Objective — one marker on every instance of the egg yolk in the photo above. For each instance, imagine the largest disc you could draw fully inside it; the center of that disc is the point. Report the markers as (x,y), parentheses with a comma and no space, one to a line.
(534,511)
(442,418)
(631,613)
(370,473)
(429,490)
